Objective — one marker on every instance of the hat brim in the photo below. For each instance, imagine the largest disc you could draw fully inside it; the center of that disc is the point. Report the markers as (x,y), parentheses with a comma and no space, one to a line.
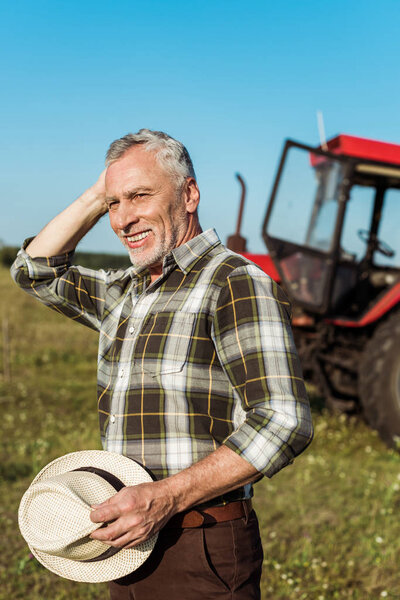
(126,560)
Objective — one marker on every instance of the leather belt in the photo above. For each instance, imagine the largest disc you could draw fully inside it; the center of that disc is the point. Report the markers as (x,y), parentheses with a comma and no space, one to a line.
(209,516)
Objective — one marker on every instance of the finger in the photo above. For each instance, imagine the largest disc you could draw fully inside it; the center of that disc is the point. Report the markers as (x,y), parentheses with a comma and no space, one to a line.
(133,536)
(107,534)
(113,508)
(127,542)
(118,528)
(129,539)
(105,512)
(140,537)
(112,500)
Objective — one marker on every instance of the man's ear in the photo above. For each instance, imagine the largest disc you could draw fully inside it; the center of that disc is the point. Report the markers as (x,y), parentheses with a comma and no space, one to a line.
(191,195)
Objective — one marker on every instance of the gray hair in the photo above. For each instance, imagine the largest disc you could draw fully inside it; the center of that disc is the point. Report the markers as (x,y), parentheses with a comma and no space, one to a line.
(171,154)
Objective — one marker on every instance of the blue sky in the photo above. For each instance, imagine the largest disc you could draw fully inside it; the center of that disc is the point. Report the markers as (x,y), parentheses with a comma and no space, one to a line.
(231,79)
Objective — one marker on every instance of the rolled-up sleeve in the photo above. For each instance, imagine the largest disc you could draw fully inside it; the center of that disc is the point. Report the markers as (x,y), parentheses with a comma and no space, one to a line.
(73,291)
(254,343)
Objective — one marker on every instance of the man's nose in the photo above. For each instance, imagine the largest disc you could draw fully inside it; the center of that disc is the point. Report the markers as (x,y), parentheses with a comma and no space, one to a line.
(126,217)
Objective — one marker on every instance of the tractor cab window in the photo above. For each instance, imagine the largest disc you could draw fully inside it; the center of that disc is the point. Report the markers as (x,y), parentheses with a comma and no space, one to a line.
(355,245)
(302,223)
(323,218)
(357,224)
(305,207)
(388,252)
(357,217)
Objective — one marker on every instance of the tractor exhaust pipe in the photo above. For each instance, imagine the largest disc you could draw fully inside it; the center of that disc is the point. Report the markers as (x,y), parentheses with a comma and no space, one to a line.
(236,242)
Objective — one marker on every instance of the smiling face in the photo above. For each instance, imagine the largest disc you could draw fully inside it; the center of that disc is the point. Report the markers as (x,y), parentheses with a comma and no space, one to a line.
(148,212)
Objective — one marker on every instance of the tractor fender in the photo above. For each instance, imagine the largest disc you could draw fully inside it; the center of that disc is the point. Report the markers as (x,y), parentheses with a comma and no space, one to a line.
(385,302)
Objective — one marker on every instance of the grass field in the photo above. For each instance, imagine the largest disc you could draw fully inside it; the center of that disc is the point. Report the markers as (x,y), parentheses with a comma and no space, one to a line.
(330,523)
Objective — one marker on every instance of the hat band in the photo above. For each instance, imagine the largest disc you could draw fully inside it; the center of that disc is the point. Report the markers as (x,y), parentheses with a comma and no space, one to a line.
(109,477)
(117,485)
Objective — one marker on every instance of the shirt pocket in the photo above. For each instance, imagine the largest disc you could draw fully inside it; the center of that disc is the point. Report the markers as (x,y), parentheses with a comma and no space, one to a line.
(164,342)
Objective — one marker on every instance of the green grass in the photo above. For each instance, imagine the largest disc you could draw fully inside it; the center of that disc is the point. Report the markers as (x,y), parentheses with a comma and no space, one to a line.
(329,523)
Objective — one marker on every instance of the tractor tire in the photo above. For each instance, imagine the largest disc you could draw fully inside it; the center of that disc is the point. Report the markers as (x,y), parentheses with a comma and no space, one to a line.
(379,381)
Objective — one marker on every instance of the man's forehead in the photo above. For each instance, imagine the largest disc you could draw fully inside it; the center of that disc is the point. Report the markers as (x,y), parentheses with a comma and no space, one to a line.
(137,156)
(137,165)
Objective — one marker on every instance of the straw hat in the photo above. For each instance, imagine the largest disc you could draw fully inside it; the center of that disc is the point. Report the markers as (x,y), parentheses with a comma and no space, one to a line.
(54,516)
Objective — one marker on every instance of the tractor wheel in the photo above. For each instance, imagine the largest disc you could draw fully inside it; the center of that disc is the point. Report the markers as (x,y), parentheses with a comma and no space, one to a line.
(379,380)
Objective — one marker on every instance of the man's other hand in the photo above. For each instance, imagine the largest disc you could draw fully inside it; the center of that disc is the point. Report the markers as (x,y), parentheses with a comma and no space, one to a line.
(133,515)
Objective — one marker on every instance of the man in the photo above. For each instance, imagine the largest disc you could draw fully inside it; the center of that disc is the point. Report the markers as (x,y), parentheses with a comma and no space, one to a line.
(198,376)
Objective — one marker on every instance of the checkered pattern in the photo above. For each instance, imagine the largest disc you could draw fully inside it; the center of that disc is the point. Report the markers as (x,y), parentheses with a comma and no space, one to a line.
(204,356)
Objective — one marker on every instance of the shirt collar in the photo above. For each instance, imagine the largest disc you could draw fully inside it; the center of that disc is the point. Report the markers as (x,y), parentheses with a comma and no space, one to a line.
(187,255)
(138,272)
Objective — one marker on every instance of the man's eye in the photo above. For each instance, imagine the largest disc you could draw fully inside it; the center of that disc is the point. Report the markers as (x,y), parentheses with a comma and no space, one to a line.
(112,205)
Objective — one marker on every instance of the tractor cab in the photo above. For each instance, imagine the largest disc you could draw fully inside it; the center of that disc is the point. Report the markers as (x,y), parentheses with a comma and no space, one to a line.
(332,230)
(332,225)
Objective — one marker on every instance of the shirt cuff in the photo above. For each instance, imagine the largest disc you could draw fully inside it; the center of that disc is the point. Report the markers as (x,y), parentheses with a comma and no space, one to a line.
(52,261)
(42,267)
(260,450)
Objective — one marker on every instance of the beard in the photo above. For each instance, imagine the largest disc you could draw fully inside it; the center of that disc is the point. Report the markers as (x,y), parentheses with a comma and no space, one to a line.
(164,242)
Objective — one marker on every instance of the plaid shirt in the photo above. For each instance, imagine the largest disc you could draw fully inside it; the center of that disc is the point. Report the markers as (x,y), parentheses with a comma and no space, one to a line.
(203,356)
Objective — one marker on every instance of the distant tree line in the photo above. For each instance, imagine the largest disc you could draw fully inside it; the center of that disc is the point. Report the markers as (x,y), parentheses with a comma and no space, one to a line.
(91,260)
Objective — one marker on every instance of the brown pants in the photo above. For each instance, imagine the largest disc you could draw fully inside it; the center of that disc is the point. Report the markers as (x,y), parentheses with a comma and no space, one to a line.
(221,561)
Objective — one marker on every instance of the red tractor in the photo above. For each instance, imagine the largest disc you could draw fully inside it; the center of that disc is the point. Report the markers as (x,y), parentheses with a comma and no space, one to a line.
(332,229)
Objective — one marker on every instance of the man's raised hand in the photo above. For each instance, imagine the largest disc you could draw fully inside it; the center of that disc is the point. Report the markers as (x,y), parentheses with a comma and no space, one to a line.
(63,232)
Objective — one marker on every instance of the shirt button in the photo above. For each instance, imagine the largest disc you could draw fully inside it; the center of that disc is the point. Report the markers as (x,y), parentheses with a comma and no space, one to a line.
(131,329)
(112,418)
(121,373)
